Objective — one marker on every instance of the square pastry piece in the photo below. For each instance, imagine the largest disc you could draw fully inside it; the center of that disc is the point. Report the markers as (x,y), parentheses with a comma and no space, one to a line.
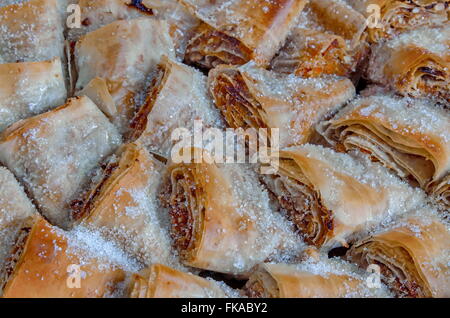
(27,89)
(31,31)
(416,63)
(237,31)
(53,153)
(329,38)
(113,62)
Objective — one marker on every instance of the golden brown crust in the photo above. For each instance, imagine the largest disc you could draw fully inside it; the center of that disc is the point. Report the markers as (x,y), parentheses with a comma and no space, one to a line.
(160,281)
(413,257)
(250,97)
(123,55)
(175,89)
(397,16)
(415,64)
(311,53)
(287,281)
(123,206)
(393,132)
(326,196)
(329,39)
(243,32)
(42,269)
(217,227)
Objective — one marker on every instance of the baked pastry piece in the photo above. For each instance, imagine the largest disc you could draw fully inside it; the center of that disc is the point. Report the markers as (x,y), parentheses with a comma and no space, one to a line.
(175,89)
(328,39)
(160,281)
(47,262)
(98,13)
(388,18)
(27,89)
(31,31)
(237,31)
(332,198)
(122,205)
(16,210)
(113,62)
(408,136)
(54,153)
(415,63)
(322,278)
(413,256)
(251,97)
(221,219)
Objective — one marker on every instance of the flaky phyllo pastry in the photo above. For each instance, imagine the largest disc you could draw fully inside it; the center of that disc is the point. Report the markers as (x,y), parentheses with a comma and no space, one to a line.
(408,136)
(175,89)
(27,89)
(333,198)
(237,31)
(47,262)
(16,210)
(329,38)
(160,281)
(54,153)
(221,219)
(251,97)
(413,256)
(122,205)
(113,62)
(388,18)
(98,13)
(321,278)
(31,31)
(416,63)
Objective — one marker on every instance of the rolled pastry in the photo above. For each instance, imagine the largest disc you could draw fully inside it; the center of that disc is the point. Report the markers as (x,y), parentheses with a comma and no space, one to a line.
(117,58)
(250,97)
(221,219)
(408,136)
(331,278)
(53,153)
(175,89)
(31,31)
(413,257)
(16,210)
(235,32)
(328,39)
(122,205)
(416,63)
(49,263)
(333,198)
(28,89)
(98,13)
(388,18)
(160,281)
(441,190)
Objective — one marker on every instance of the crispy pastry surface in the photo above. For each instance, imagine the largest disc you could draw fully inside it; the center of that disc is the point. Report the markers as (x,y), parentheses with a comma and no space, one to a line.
(53,153)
